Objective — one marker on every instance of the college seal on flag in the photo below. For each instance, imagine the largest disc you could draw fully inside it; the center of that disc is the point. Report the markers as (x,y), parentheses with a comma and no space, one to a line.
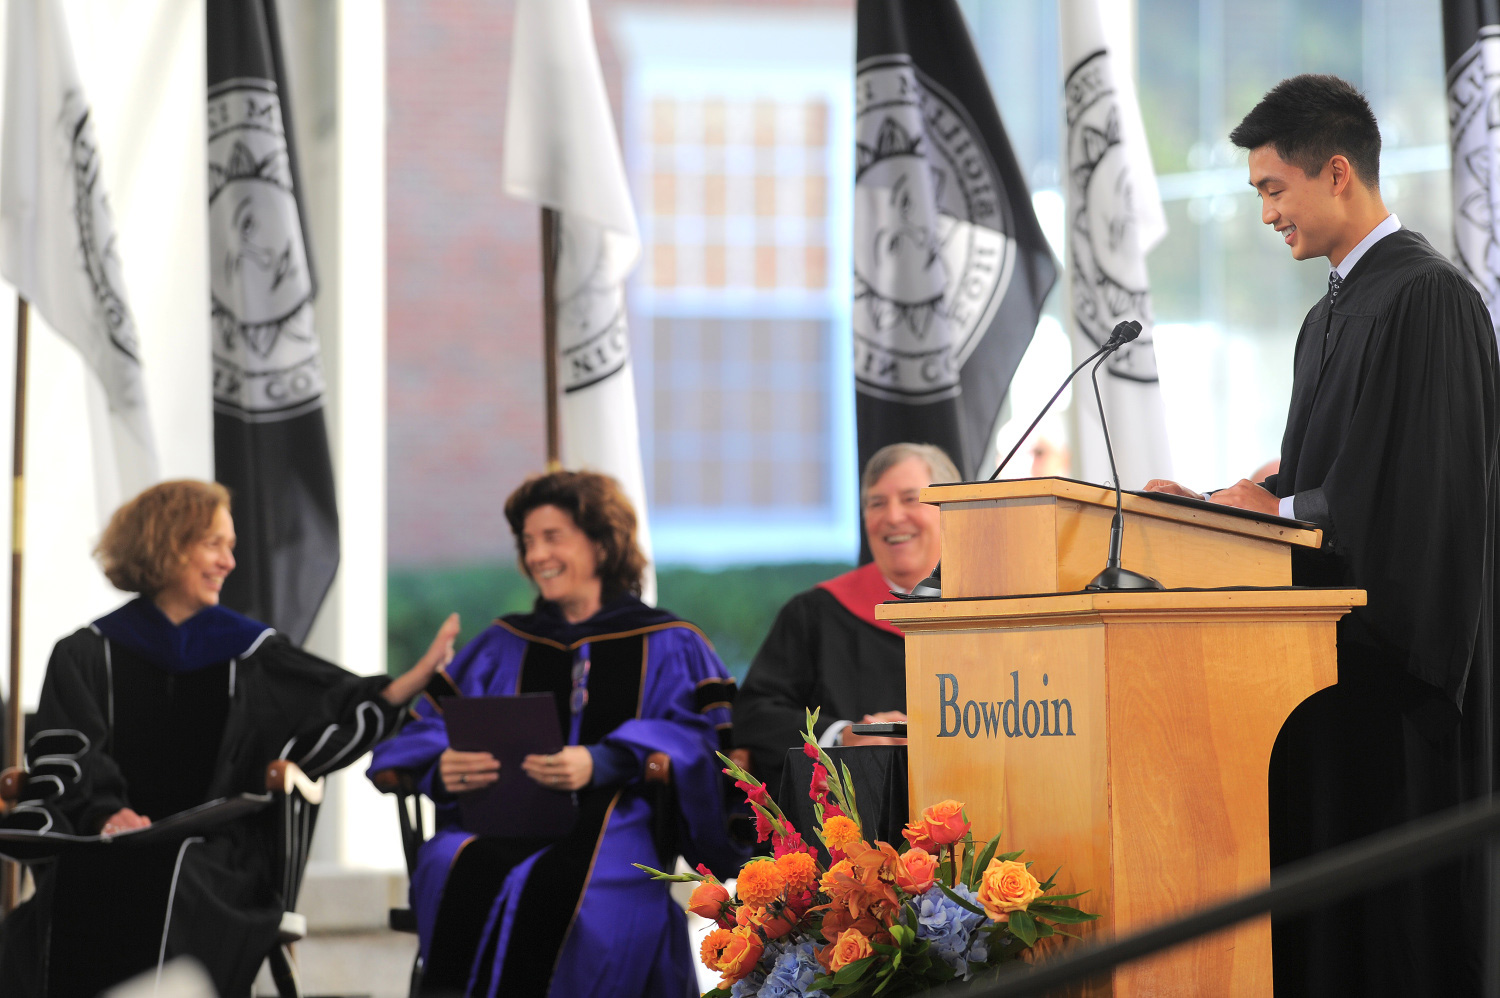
(592,338)
(266,362)
(1110,282)
(1474,133)
(933,254)
(120,370)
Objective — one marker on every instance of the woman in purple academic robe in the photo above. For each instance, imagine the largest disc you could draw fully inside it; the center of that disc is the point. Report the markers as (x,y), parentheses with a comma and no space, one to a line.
(570,915)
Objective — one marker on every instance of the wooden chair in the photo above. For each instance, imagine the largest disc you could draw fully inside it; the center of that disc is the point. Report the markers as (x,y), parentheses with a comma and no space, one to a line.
(296,800)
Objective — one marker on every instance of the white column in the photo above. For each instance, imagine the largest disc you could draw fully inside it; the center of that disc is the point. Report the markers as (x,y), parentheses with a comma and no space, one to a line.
(335,50)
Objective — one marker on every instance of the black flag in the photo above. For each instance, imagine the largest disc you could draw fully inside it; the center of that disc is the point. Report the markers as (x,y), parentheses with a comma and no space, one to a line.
(950,264)
(270,444)
(1471,37)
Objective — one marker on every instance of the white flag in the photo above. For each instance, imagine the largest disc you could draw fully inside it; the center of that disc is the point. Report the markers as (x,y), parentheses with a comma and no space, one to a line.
(1114,217)
(57,239)
(561,152)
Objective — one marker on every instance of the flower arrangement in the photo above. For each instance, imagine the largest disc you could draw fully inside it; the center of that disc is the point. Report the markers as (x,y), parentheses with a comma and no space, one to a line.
(878,920)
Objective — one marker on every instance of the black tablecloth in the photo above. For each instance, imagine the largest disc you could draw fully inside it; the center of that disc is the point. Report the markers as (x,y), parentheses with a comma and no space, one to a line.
(879,773)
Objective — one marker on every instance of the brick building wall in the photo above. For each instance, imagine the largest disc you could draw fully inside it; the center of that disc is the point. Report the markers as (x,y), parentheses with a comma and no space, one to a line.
(464,282)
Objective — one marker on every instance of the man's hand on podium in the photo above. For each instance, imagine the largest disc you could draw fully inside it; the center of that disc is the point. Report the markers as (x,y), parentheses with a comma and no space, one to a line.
(1171,488)
(1243,494)
(1247,495)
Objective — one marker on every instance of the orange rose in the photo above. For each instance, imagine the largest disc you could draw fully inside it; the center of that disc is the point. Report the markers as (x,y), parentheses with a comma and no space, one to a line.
(769,922)
(1007,886)
(850,947)
(760,882)
(800,870)
(837,920)
(915,871)
(920,836)
(840,832)
(945,822)
(708,901)
(732,952)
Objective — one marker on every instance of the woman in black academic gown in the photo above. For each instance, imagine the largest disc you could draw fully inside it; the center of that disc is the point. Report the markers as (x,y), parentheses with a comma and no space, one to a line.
(166,703)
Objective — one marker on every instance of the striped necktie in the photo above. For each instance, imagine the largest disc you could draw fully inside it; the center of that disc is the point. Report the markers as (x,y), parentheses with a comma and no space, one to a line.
(1335,282)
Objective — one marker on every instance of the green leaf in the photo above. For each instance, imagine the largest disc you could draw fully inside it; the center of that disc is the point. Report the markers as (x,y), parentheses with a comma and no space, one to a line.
(1006,857)
(982,863)
(1060,913)
(1051,881)
(903,935)
(822,982)
(962,901)
(676,878)
(1062,897)
(940,971)
(967,875)
(1043,930)
(854,971)
(848,787)
(1023,927)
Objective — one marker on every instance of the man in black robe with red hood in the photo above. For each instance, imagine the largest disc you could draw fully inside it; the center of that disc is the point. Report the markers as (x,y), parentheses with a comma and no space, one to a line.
(1390,448)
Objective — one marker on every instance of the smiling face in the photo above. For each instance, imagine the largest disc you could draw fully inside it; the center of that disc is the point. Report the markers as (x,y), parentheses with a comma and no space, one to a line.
(902,530)
(1305,211)
(562,561)
(199,580)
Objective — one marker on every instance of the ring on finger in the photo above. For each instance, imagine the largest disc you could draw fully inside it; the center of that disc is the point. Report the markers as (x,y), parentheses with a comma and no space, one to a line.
(463,777)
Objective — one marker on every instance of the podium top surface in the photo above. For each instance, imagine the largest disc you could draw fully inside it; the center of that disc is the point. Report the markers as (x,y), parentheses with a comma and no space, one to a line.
(1063,608)
(1164,507)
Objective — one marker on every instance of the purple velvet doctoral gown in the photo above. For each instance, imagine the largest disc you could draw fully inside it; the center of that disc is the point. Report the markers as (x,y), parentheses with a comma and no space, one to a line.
(574,916)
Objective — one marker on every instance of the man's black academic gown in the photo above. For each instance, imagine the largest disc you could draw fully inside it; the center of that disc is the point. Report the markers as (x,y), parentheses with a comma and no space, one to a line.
(826,650)
(1391,448)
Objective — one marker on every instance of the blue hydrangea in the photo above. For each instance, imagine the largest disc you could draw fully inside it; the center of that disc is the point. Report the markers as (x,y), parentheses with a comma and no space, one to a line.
(792,974)
(749,985)
(949,927)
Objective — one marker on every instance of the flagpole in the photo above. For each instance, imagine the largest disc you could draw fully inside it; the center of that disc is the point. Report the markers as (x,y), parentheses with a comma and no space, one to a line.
(549,332)
(15,735)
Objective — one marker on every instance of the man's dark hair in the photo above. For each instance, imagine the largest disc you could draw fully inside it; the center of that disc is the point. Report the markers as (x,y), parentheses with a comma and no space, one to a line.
(1311,118)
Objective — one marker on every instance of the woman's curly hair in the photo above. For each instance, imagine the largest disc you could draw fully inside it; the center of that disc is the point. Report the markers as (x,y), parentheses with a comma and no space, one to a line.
(147,540)
(598,506)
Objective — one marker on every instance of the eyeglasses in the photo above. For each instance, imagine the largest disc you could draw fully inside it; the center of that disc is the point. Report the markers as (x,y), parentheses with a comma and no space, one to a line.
(581,664)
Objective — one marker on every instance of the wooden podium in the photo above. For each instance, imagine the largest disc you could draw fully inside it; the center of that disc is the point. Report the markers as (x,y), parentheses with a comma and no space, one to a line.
(1122,736)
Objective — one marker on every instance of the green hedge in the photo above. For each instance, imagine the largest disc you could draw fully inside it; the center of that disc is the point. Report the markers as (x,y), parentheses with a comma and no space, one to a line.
(733,606)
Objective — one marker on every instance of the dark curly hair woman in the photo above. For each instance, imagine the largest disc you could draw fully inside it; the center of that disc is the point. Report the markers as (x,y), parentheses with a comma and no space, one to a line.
(569,915)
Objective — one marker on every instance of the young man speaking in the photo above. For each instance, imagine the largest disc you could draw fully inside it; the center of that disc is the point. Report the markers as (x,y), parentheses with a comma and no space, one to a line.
(1391,448)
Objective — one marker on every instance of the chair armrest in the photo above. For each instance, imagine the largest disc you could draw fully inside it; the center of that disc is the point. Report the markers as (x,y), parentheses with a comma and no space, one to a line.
(284,776)
(395,781)
(658,768)
(11,782)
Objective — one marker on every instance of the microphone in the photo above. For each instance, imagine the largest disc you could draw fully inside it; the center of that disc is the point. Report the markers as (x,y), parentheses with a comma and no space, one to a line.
(1114,577)
(1118,337)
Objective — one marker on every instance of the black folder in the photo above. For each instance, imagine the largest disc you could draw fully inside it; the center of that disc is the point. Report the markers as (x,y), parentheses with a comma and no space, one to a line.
(22,844)
(510,728)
